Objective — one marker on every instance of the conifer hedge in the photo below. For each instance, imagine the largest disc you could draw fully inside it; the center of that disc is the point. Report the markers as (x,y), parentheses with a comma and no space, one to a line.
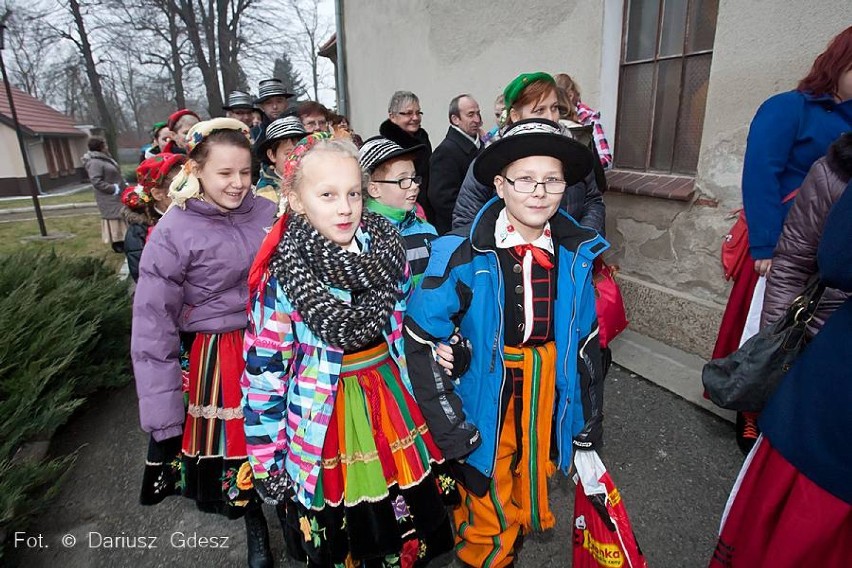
(64,333)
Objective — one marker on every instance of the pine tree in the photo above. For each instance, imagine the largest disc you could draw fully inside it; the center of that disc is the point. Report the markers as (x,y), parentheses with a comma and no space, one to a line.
(283,69)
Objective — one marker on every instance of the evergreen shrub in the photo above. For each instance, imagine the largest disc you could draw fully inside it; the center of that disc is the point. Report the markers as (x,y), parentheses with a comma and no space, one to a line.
(64,333)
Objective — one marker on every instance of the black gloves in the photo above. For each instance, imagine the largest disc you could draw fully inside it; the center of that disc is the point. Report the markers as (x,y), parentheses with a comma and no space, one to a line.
(461,355)
(273,489)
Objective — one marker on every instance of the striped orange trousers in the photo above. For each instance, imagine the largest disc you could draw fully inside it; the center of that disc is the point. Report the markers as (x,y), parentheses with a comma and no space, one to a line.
(486,527)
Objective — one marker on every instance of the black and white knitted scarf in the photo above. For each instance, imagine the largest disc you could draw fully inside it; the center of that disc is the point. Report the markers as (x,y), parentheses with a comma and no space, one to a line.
(305,263)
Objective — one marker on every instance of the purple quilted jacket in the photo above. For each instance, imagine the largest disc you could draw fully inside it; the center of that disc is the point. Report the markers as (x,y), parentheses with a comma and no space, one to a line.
(192,277)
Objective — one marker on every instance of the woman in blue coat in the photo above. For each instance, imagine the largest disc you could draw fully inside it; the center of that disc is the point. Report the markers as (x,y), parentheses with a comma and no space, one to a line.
(790,132)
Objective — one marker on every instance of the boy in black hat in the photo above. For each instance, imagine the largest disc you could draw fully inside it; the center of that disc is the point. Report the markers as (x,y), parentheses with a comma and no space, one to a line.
(273,102)
(501,342)
(280,138)
(273,98)
(240,107)
(392,192)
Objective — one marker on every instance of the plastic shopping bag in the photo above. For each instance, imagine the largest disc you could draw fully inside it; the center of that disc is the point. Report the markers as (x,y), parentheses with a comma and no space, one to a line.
(609,304)
(603,536)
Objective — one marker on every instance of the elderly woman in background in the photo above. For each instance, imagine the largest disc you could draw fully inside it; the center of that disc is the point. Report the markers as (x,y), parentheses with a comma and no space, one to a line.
(789,132)
(403,127)
(105,176)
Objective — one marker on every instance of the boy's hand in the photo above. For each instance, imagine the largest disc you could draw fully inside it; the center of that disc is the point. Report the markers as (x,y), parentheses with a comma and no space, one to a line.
(454,357)
(444,357)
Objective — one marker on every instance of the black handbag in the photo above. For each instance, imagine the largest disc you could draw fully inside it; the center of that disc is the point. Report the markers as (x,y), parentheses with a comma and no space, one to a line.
(745,379)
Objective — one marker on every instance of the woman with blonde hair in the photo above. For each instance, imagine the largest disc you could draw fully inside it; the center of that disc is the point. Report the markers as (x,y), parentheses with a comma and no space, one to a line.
(585,115)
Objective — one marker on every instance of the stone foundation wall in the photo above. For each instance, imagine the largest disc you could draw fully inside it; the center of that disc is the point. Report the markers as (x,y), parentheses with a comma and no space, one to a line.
(670,273)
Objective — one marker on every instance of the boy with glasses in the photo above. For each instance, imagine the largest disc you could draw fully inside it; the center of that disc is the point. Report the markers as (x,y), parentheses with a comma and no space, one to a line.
(502,342)
(392,192)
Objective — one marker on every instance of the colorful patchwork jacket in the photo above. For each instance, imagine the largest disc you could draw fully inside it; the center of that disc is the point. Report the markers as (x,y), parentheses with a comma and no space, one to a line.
(290,382)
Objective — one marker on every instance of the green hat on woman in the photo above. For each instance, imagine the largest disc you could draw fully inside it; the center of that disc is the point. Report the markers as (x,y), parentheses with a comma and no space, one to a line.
(513,90)
(157,126)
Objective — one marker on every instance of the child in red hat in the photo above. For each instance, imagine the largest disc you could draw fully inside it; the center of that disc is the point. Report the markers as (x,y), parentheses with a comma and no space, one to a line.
(180,123)
(146,202)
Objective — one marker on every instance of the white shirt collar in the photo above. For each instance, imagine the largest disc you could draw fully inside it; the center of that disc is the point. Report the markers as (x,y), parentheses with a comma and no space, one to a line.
(354,247)
(475,141)
(506,236)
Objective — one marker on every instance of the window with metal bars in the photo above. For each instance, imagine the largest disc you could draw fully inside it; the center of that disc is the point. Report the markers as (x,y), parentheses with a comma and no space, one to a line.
(667,48)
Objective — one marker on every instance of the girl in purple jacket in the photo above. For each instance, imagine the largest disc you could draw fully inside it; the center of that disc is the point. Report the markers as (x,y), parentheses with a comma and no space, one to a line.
(192,278)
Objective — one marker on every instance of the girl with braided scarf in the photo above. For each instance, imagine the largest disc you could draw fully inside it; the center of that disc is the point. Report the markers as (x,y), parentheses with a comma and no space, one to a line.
(332,429)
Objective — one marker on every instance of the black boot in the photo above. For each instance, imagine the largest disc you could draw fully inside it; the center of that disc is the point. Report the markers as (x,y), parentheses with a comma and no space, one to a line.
(257,539)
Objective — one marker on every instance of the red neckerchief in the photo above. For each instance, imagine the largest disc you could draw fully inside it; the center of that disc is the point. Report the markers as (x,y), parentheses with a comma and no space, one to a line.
(540,256)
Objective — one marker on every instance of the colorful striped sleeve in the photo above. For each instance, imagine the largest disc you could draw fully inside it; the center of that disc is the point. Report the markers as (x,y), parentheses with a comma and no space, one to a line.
(268,349)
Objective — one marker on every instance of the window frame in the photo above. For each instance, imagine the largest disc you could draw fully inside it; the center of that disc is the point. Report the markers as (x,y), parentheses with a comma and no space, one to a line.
(684,56)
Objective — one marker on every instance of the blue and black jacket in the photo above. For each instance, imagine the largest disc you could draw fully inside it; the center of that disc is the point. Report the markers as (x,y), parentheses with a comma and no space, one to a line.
(463,291)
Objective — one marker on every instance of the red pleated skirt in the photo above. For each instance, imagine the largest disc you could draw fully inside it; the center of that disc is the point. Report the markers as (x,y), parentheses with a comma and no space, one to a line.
(776,517)
(736,310)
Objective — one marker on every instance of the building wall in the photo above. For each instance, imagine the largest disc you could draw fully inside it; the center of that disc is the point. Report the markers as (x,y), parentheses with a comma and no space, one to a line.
(11,164)
(668,251)
(78,148)
(441,48)
(782,44)
(13,180)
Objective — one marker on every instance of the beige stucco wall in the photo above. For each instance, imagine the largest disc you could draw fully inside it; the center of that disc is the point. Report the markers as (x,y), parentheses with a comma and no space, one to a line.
(761,48)
(38,160)
(11,164)
(755,55)
(441,48)
(668,251)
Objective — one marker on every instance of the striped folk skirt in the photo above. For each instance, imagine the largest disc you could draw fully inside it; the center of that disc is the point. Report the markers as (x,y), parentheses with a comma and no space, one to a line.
(216,473)
(377,500)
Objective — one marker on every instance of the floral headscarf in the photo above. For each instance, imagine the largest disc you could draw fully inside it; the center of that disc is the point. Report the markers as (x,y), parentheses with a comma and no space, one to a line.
(136,197)
(153,171)
(186,185)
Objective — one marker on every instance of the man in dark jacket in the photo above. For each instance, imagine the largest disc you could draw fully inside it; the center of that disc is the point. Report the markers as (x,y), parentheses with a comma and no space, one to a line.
(403,127)
(452,157)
